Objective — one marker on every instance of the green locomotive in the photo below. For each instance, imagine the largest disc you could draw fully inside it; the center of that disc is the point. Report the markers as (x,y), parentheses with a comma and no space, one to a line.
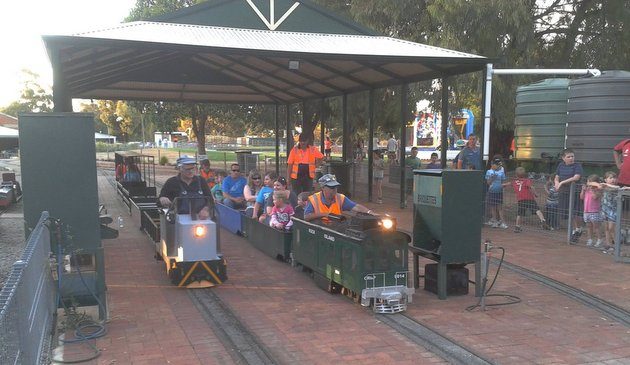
(361,255)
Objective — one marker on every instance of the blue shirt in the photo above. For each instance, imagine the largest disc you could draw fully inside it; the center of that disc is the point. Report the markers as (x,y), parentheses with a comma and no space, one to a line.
(263,194)
(234,187)
(565,171)
(347,205)
(471,158)
(499,178)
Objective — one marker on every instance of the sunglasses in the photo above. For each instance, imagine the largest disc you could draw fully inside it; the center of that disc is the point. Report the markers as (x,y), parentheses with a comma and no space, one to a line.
(256,178)
(189,168)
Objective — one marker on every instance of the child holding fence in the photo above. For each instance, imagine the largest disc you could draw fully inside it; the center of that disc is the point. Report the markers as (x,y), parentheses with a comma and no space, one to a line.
(593,217)
(552,203)
(495,177)
(526,197)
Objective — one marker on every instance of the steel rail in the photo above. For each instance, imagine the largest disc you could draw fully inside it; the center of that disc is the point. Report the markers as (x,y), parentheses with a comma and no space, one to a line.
(243,346)
(432,340)
(609,309)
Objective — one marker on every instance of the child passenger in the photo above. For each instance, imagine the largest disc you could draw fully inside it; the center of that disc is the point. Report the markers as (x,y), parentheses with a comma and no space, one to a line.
(592,196)
(302,199)
(217,191)
(526,197)
(281,212)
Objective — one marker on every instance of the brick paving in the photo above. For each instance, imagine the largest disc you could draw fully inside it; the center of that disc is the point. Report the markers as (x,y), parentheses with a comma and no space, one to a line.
(152,322)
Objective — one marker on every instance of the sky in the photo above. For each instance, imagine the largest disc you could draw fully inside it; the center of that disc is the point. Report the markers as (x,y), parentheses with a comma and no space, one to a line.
(23,23)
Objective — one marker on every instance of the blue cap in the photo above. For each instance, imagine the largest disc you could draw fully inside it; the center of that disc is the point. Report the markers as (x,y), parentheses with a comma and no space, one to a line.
(186,160)
(328,180)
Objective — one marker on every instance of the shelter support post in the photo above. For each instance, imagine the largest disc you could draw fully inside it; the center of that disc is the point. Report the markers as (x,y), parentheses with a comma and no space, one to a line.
(322,132)
(277,134)
(370,142)
(346,152)
(61,98)
(404,112)
(444,123)
(289,134)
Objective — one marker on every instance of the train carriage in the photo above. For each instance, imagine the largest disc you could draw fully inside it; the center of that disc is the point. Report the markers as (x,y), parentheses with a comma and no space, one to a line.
(273,242)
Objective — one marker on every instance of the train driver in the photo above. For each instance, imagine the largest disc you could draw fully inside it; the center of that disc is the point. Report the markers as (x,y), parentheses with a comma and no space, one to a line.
(328,201)
(186,184)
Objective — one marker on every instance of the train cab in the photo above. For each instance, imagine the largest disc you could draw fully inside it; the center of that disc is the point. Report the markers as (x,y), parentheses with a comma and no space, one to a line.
(189,245)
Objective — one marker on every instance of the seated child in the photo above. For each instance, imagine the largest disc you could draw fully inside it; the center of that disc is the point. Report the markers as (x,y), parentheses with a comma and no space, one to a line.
(302,201)
(281,212)
(526,197)
(552,203)
(216,191)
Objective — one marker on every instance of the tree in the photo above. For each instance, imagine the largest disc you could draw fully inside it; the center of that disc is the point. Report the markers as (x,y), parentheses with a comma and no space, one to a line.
(33,99)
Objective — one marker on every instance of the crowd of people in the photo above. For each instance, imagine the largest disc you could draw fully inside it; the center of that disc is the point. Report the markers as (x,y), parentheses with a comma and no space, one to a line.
(268,198)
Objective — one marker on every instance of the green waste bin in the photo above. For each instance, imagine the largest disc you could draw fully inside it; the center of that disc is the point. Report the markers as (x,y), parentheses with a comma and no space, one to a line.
(343,173)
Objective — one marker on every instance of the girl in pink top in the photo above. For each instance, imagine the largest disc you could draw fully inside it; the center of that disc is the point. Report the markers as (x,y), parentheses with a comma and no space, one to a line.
(592,196)
(281,212)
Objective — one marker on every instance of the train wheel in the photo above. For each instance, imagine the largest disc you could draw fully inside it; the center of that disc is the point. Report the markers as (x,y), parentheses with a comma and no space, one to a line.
(175,274)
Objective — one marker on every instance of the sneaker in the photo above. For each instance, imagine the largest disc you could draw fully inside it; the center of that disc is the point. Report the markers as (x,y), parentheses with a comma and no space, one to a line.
(598,243)
(575,236)
(589,242)
(491,222)
(517,229)
(495,225)
(502,225)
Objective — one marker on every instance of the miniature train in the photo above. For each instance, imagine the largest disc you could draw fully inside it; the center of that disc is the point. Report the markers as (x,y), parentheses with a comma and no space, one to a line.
(362,256)
(10,190)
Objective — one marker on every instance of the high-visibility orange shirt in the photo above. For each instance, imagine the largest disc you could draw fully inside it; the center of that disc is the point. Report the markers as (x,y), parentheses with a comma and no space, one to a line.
(319,206)
(306,156)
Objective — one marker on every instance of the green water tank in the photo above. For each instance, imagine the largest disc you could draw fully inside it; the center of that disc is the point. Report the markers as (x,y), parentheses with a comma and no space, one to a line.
(541,118)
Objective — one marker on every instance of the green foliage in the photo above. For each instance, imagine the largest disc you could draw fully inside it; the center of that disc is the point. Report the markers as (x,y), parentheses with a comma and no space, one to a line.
(33,99)
(163,161)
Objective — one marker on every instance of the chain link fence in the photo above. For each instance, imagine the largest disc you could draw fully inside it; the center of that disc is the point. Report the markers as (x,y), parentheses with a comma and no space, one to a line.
(27,303)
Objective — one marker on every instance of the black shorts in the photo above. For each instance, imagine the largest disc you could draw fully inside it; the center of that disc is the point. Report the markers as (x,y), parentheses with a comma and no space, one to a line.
(563,202)
(494,199)
(327,151)
(525,205)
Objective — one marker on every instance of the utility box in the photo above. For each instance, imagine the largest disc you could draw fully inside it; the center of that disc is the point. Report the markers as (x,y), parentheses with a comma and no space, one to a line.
(58,166)
(447,219)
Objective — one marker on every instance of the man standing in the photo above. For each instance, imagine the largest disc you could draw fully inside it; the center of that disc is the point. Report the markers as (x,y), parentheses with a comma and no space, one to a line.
(392,149)
(470,157)
(302,161)
(621,155)
(412,162)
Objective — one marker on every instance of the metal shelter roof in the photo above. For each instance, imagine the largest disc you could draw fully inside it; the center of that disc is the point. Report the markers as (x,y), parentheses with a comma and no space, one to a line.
(202,63)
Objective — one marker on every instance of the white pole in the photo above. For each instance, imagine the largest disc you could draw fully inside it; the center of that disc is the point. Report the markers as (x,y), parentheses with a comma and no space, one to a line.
(486,116)
(519,71)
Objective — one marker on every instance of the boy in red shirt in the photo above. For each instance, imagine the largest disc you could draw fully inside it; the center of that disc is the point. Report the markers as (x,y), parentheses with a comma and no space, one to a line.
(526,197)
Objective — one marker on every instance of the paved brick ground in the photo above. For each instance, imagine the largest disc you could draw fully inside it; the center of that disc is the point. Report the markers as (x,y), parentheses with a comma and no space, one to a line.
(155,323)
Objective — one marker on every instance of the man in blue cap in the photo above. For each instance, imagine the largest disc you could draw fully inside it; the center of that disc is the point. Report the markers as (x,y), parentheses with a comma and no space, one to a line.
(189,185)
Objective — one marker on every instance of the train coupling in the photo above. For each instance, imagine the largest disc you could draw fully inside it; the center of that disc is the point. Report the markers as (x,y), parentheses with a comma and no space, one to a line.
(388,299)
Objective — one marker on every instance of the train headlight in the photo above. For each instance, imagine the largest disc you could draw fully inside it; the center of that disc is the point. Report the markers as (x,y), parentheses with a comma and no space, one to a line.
(387,223)
(199,231)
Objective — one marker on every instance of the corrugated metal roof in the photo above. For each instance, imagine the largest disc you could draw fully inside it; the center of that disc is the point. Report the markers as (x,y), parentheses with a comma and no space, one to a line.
(181,62)
(274,41)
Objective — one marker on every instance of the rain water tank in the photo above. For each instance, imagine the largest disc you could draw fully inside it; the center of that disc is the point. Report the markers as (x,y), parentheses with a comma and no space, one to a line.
(599,115)
(541,117)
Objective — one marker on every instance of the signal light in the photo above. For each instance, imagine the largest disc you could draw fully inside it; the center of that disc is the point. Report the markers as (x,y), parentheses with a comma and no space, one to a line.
(387,223)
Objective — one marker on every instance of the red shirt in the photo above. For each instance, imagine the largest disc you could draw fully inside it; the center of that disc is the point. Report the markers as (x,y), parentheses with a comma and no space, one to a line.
(523,189)
(624,172)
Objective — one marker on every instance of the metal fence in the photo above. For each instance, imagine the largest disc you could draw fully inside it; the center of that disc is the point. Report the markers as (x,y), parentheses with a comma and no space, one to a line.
(27,303)
(563,217)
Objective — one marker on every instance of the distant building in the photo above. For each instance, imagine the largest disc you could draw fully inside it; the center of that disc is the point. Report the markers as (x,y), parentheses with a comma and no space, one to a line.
(105,138)
(8,121)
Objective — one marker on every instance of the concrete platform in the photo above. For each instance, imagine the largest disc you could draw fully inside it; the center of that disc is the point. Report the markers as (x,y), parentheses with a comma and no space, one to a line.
(152,322)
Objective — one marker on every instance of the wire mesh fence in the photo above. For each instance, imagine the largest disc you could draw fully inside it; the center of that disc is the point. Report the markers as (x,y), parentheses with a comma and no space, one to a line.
(27,303)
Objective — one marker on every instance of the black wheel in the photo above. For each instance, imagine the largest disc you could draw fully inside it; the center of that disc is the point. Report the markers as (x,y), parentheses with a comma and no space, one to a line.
(175,275)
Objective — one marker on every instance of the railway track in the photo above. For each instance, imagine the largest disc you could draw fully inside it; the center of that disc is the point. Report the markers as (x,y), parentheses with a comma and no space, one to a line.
(605,307)
(243,346)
